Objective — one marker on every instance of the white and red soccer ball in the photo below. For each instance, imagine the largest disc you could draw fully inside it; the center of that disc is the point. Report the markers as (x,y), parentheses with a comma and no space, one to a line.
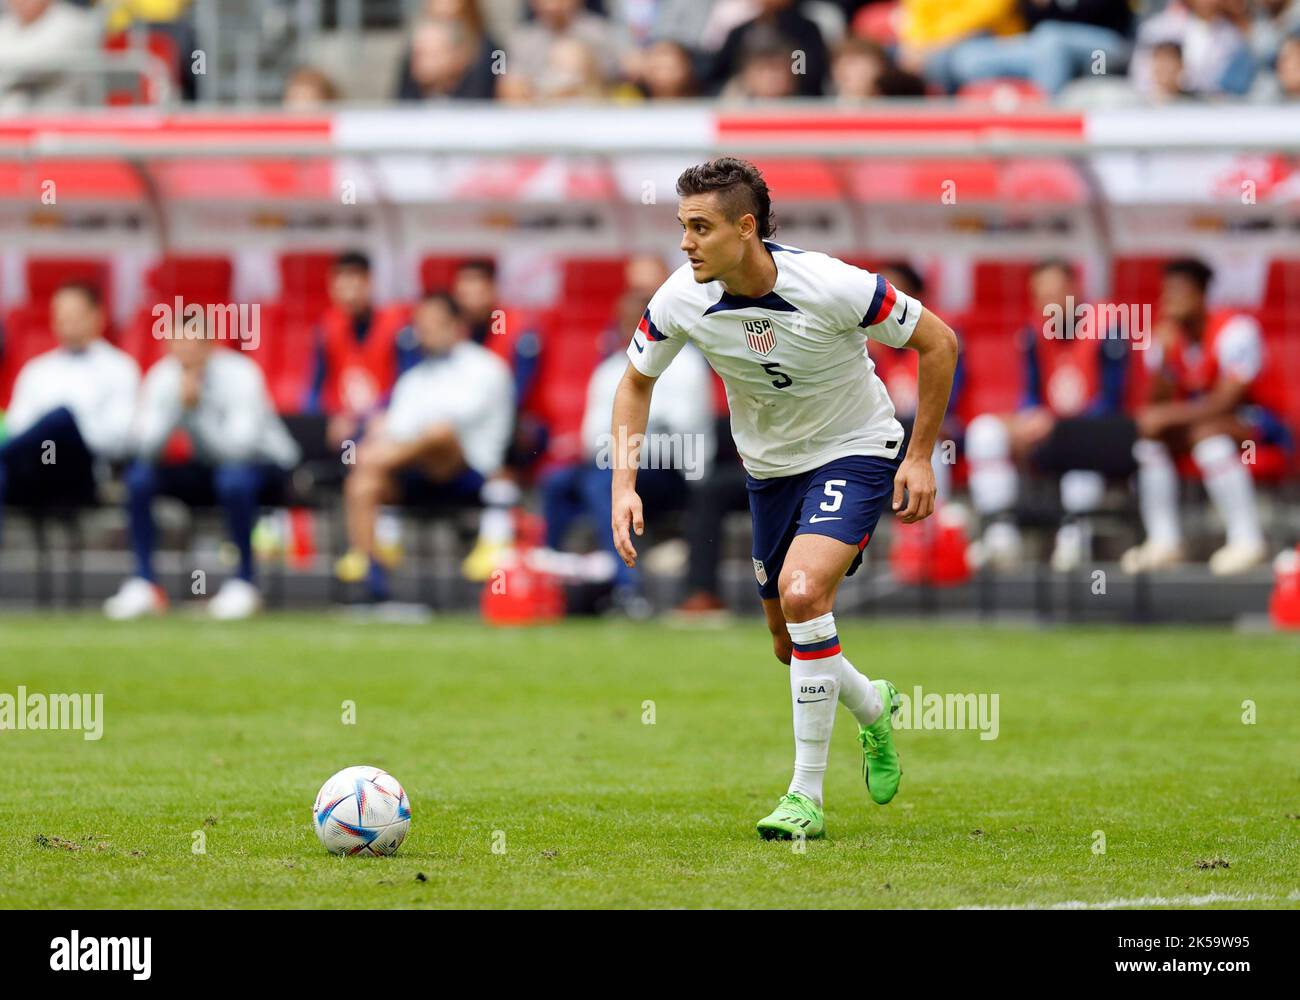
(362,810)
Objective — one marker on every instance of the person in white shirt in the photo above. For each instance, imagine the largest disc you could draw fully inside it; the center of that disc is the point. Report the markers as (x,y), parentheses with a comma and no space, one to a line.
(217,398)
(680,452)
(786,331)
(71,409)
(443,437)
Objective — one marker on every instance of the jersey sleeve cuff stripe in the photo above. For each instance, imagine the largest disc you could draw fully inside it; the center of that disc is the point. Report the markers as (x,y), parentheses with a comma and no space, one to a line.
(882,302)
(647,327)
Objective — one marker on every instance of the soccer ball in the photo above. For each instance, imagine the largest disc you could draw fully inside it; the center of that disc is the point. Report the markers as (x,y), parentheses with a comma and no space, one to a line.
(362,810)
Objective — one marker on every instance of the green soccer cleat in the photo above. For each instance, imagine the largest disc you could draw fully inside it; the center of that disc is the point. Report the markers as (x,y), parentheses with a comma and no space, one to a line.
(795,815)
(881,769)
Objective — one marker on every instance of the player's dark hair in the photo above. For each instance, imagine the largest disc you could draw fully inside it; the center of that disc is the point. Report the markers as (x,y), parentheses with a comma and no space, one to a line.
(352,260)
(1054,264)
(87,290)
(740,185)
(443,296)
(1191,268)
(911,277)
(483,266)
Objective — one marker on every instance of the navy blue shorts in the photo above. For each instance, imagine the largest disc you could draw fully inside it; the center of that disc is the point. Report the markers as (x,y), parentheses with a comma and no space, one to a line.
(843,499)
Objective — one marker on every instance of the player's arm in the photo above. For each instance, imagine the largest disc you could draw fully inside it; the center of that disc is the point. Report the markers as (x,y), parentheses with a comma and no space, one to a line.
(631,413)
(1157,418)
(936,345)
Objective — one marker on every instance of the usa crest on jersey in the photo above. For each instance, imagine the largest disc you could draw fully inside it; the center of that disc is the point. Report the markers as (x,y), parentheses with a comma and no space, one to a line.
(760,336)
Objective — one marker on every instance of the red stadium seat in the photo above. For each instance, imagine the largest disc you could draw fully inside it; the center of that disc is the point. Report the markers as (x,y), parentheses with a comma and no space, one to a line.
(156,43)
(46,274)
(1004,93)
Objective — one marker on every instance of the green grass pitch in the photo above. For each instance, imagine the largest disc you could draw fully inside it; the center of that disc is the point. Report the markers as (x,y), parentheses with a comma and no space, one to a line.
(535,780)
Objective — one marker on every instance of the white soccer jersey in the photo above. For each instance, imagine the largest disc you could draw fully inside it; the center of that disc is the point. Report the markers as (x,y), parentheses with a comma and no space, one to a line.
(801,387)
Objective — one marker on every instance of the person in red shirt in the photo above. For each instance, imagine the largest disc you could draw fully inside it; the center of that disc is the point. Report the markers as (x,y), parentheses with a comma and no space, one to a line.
(1070,421)
(358,351)
(1205,398)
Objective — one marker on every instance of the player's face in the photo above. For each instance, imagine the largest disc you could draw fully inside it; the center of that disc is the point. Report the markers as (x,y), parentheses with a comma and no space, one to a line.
(714,244)
(350,289)
(75,319)
(475,293)
(1181,299)
(436,329)
(1052,286)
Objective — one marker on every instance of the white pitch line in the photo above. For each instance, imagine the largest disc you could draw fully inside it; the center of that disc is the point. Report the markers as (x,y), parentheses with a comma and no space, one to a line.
(1141,902)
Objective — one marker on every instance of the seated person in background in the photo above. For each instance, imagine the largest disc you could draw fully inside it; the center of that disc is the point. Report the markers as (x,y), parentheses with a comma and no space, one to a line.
(513,337)
(531,52)
(308,89)
(445,433)
(358,355)
(218,398)
(71,407)
(898,369)
(1070,421)
(679,449)
(1203,398)
(447,60)
(1216,56)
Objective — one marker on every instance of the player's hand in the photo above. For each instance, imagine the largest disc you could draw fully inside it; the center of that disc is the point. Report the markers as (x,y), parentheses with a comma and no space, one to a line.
(627,510)
(1152,421)
(916,476)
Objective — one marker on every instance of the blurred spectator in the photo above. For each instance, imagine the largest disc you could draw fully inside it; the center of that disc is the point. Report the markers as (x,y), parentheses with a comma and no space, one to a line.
(681,411)
(445,433)
(857,68)
(533,69)
(572,72)
(1069,422)
(217,399)
(358,354)
(665,71)
(932,33)
(751,58)
(37,39)
(1167,74)
(1272,23)
(766,72)
(308,89)
(516,340)
(1216,58)
(1064,40)
(1204,398)
(1283,84)
(449,57)
(72,407)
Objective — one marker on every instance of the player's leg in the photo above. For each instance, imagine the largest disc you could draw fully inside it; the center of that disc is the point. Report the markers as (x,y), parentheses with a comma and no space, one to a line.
(368,487)
(238,488)
(994,484)
(1157,485)
(812,572)
(1217,453)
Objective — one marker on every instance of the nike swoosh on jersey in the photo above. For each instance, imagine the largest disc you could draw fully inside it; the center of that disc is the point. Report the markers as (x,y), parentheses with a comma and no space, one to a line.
(637,344)
(814,519)
(903,319)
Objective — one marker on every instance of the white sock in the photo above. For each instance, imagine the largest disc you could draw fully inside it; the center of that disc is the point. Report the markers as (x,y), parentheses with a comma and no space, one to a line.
(814,691)
(992,473)
(1157,491)
(1230,487)
(1082,491)
(858,694)
(497,525)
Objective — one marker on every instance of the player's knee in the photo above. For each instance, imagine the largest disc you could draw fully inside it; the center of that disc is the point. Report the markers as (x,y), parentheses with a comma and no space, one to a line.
(799,602)
(987,439)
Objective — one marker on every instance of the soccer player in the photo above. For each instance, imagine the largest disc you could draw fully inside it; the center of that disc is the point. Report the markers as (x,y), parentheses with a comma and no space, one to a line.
(72,407)
(444,435)
(785,330)
(1205,398)
(1075,379)
(241,450)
